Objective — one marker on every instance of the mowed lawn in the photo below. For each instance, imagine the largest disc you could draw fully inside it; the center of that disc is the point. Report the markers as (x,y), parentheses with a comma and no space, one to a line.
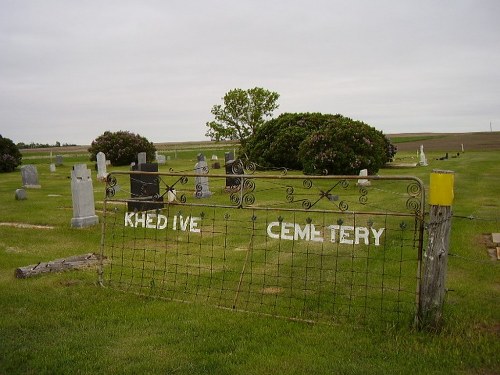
(65,323)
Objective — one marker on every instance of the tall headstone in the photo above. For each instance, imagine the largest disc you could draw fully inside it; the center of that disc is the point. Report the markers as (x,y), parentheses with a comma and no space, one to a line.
(141,158)
(363,181)
(201,182)
(144,189)
(29,175)
(102,174)
(82,193)
(423,159)
(59,160)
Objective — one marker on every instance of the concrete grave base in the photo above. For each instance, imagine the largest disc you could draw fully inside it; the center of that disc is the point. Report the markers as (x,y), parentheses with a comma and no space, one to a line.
(83,222)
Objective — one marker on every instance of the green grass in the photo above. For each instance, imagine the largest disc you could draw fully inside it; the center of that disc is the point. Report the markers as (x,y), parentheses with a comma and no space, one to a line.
(65,323)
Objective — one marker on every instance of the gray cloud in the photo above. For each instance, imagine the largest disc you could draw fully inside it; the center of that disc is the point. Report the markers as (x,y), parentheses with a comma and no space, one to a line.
(72,69)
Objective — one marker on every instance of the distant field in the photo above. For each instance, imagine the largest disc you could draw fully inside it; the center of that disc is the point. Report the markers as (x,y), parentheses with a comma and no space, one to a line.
(447,142)
(450,142)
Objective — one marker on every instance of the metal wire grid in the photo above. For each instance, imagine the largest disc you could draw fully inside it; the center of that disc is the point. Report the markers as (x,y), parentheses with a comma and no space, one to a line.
(226,258)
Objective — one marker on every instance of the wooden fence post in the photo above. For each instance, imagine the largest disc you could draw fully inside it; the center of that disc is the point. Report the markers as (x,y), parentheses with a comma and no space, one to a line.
(432,290)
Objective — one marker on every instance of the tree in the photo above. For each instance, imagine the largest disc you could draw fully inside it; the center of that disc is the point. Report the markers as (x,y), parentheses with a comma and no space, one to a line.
(10,156)
(242,113)
(344,148)
(319,143)
(277,142)
(121,147)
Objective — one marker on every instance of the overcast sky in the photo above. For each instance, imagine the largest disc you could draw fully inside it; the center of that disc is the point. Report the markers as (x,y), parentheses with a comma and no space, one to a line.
(72,69)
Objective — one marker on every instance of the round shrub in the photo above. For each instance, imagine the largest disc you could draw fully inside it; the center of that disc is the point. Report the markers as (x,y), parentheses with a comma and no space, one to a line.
(317,143)
(10,156)
(344,148)
(121,147)
(276,143)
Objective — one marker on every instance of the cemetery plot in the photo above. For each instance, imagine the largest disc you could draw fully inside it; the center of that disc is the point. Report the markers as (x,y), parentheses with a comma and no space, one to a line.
(300,247)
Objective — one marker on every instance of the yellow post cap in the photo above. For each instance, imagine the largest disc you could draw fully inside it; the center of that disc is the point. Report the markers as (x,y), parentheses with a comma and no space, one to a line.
(441,188)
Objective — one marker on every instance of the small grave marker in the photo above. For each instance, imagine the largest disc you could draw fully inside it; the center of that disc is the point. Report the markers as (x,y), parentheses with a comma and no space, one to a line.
(29,175)
(21,195)
(363,181)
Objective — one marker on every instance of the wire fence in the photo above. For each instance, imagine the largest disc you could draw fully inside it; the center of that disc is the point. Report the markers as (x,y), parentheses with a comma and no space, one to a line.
(323,249)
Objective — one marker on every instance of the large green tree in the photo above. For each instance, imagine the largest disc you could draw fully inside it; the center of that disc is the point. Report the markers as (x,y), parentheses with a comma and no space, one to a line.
(242,113)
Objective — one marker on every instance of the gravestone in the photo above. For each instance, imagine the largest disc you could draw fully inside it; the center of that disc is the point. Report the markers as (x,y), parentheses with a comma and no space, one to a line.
(21,195)
(201,182)
(52,167)
(29,175)
(82,193)
(141,158)
(160,159)
(144,189)
(232,167)
(59,160)
(102,174)
(423,159)
(363,181)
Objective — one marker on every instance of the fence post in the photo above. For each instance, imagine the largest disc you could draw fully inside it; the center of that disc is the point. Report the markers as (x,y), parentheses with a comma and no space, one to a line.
(432,291)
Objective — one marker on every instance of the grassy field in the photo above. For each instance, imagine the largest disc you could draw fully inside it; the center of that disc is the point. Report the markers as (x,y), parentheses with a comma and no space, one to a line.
(65,323)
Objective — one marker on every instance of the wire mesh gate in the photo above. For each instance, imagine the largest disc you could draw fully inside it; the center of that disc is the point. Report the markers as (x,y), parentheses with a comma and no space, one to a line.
(313,248)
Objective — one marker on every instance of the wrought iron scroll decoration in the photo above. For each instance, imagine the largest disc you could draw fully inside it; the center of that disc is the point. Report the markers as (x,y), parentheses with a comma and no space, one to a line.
(413,203)
(307,204)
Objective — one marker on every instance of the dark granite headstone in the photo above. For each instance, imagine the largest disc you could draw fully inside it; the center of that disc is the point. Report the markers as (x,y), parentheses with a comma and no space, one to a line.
(145,189)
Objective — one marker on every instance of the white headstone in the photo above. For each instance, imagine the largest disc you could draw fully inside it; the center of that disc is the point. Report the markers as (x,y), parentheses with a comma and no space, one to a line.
(52,167)
(201,182)
(172,195)
(363,181)
(423,159)
(160,158)
(21,194)
(29,175)
(83,197)
(101,167)
(141,158)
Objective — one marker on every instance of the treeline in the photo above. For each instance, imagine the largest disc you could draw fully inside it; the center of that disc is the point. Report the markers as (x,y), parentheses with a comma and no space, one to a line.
(23,145)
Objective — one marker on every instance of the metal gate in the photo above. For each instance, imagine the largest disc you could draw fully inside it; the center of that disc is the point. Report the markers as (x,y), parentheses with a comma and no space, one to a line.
(313,248)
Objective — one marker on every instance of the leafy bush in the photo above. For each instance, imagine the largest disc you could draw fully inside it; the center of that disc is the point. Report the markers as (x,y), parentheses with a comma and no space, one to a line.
(10,156)
(344,148)
(319,143)
(121,147)
(277,142)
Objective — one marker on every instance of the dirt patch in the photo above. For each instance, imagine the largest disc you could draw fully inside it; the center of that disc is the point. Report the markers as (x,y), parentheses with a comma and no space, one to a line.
(481,141)
(272,290)
(26,226)
(486,241)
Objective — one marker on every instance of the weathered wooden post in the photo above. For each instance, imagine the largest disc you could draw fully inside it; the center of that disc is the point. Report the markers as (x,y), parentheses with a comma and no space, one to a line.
(432,291)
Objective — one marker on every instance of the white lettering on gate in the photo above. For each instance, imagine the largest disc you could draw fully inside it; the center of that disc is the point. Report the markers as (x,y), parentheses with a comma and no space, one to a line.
(159,221)
(343,234)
